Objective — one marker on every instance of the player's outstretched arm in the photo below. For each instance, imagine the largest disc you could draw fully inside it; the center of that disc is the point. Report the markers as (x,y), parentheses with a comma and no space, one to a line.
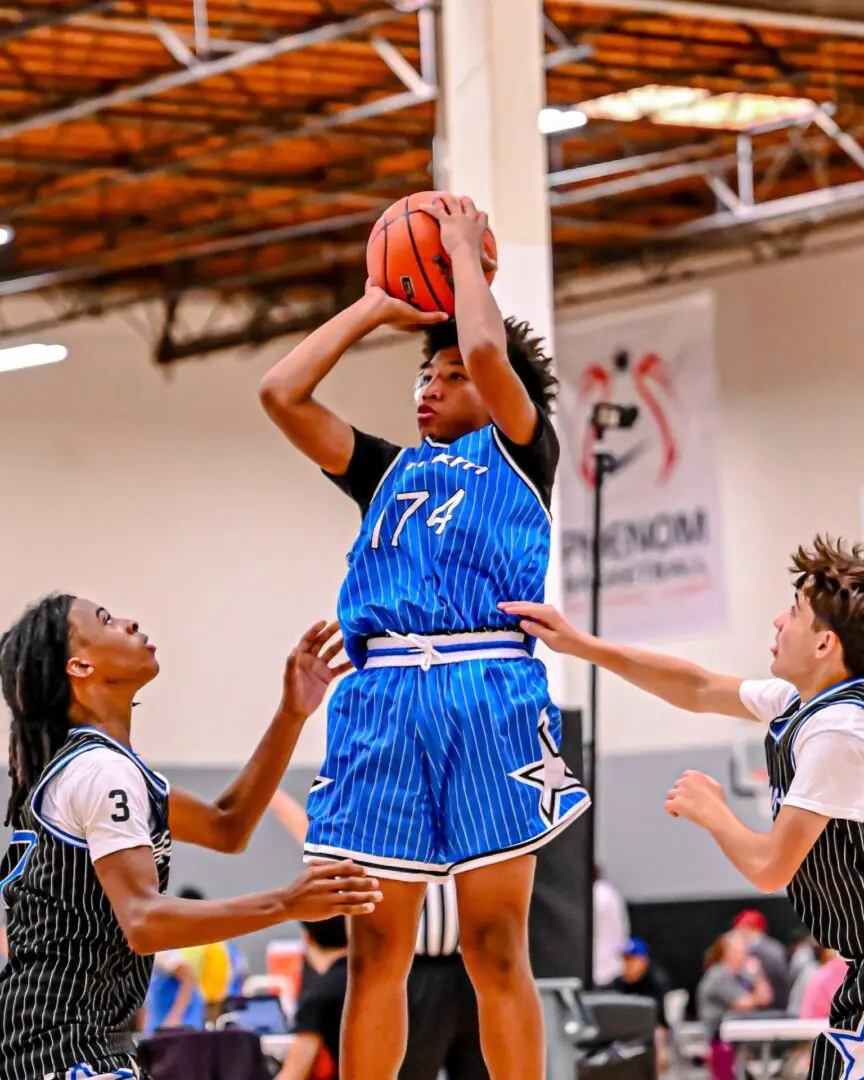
(152,922)
(287,390)
(227,823)
(482,341)
(685,685)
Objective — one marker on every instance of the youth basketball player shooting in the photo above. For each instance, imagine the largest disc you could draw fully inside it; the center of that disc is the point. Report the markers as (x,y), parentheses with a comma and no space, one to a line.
(442,750)
(87,868)
(813,710)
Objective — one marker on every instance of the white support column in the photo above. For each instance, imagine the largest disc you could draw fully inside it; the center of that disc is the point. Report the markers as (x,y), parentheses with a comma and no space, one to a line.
(491,148)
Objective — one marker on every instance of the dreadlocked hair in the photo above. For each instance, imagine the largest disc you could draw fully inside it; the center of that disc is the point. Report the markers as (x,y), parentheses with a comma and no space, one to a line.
(524,351)
(34,653)
(831,576)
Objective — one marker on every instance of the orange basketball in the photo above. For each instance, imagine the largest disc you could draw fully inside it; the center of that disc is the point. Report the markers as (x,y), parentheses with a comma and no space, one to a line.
(404,256)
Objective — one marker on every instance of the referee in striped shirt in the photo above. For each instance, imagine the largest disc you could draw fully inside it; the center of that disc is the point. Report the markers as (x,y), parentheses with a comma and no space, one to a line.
(443,1026)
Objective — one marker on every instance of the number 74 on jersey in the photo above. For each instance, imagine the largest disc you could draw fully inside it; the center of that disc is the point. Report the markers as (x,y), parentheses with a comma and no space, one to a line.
(415,500)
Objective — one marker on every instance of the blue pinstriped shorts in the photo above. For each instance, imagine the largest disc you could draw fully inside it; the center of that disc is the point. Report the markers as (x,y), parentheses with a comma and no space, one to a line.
(442,756)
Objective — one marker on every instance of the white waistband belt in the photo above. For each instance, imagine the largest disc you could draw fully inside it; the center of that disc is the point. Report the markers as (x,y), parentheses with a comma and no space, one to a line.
(424,651)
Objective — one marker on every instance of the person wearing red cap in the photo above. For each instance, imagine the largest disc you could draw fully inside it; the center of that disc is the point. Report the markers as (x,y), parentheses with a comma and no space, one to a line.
(753,926)
(813,712)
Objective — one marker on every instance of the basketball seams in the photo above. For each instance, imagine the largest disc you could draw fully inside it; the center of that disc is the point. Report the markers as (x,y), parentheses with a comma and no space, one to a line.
(417,259)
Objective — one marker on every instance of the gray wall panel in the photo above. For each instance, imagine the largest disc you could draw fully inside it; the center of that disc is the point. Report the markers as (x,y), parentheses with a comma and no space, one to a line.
(647,854)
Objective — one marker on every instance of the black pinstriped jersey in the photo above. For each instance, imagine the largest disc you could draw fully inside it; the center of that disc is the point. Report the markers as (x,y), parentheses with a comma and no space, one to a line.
(72,986)
(827,891)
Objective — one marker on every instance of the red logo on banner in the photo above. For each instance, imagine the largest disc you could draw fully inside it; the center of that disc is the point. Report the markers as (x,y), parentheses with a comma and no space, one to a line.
(649,375)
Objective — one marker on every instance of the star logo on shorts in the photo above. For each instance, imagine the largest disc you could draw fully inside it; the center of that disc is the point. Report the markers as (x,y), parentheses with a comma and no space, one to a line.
(851,1046)
(550,774)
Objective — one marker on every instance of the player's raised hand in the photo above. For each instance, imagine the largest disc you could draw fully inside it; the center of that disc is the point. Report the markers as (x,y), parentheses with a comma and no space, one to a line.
(327,889)
(462,225)
(545,622)
(311,667)
(397,314)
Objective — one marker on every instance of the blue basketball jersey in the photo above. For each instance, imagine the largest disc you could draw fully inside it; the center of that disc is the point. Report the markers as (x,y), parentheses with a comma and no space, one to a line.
(452,530)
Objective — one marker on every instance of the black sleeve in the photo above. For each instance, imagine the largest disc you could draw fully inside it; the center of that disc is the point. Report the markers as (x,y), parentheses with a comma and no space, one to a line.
(321,1002)
(311,1005)
(372,457)
(539,458)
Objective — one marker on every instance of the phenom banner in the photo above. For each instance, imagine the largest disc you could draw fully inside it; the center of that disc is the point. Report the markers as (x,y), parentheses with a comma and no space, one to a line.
(661,550)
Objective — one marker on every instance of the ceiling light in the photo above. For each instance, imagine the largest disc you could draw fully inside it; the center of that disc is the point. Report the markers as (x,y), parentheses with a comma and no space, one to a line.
(551,121)
(7,234)
(641,102)
(24,356)
(738,112)
(692,106)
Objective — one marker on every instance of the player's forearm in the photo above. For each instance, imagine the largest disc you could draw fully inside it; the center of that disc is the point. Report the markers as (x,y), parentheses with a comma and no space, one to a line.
(478,318)
(751,853)
(293,380)
(679,682)
(242,805)
(483,347)
(157,924)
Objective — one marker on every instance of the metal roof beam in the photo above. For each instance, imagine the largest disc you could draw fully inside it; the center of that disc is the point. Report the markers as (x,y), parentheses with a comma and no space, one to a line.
(46,18)
(694,9)
(566,51)
(75,274)
(255,54)
(179,166)
(90,302)
(644,175)
(174,43)
(202,27)
(401,68)
(820,205)
(148,28)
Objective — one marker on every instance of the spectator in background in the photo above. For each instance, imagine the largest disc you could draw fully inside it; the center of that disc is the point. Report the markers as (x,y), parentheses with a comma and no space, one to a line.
(733,982)
(219,968)
(802,953)
(611,930)
(642,979)
(822,985)
(803,961)
(322,999)
(174,998)
(770,954)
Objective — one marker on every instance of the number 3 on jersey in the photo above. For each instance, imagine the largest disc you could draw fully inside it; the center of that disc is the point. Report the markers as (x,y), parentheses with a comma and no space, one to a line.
(121,805)
(413,500)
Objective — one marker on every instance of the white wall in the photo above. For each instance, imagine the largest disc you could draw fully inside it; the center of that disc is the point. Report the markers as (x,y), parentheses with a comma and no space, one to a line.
(171,498)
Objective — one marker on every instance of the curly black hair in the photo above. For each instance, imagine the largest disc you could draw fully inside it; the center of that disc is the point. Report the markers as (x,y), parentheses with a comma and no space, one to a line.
(524,351)
(34,653)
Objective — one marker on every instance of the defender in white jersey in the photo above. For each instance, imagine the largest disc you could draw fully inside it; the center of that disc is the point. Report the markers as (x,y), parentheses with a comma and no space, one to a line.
(813,712)
(85,875)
